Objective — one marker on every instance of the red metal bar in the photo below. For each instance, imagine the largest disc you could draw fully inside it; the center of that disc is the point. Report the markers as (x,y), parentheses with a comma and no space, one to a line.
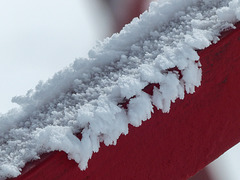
(175,145)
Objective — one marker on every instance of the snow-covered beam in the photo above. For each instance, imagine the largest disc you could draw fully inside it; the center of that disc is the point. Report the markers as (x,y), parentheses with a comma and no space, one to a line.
(104,96)
(174,145)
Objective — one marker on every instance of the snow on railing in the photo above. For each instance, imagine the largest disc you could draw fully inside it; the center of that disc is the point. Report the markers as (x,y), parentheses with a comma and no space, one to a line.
(159,47)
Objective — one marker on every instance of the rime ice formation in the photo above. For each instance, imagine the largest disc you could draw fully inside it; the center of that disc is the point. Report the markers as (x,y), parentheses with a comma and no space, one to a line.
(159,47)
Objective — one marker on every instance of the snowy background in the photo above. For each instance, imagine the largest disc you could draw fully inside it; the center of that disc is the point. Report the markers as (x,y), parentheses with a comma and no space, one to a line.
(39,38)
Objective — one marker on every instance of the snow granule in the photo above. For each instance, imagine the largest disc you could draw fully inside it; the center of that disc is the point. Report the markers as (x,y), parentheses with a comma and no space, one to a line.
(87,97)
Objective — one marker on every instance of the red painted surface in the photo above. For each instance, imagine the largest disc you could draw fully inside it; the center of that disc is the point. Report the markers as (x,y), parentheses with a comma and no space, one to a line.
(169,146)
(124,11)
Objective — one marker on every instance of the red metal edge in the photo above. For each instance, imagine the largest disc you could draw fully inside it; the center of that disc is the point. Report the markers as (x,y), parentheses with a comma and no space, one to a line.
(174,145)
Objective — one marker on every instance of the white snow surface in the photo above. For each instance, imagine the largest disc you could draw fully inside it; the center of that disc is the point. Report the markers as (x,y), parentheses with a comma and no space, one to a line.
(86,97)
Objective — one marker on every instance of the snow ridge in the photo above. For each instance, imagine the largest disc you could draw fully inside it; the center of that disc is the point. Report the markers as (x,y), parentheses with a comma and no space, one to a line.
(159,47)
